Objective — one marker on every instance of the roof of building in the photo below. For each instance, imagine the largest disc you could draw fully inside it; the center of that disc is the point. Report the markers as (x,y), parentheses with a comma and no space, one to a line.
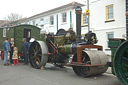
(2,21)
(13,26)
(72,4)
(21,20)
(7,23)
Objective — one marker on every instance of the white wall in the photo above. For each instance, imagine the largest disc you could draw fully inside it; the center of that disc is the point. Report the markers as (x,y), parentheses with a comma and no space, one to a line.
(102,36)
(53,28)
(66,25)
(98,18)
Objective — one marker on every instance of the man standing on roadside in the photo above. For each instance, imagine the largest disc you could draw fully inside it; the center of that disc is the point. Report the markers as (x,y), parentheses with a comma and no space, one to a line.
(6,48)
(25,50)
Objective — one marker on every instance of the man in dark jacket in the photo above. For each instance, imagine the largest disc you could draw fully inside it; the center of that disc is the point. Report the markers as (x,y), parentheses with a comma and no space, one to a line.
(6,48)
(25,50)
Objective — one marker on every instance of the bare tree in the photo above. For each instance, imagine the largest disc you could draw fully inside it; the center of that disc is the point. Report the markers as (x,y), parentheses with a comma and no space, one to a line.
(13,17)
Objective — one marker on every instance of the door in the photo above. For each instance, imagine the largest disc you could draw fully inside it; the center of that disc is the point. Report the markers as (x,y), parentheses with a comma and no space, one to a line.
(27,34)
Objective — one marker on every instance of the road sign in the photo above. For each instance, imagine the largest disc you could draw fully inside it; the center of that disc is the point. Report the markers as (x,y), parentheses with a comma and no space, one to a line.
(87,12)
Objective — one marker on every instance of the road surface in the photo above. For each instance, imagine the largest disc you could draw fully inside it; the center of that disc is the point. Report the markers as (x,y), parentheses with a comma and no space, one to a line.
(26,75)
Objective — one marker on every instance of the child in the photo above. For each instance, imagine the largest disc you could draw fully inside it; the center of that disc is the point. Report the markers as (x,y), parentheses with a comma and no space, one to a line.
(15,56)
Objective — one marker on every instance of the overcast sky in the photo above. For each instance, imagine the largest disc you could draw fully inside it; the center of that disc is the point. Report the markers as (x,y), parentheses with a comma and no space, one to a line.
(28,8)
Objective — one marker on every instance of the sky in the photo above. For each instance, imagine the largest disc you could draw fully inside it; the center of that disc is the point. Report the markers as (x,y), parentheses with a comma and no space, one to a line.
(29,8)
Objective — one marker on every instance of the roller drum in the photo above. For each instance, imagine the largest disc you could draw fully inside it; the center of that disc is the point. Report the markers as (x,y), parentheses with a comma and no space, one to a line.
(98,58)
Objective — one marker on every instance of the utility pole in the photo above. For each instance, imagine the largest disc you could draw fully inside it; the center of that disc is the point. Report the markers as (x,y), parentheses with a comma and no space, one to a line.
(88,16)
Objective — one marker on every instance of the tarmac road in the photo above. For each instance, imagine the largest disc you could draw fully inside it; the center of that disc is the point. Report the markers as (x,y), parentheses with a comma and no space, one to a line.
(26,75)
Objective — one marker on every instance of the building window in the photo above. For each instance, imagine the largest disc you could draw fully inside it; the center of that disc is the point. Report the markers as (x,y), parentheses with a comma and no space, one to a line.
(64,17)
(109,13)
(51,20)
(33,22)
(42,19)
(84,19)
(36,24)
(26,22)
(4,32)
(110,35)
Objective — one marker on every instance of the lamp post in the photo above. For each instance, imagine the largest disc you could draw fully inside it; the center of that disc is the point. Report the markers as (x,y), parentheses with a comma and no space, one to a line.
(88,16)
(78,23)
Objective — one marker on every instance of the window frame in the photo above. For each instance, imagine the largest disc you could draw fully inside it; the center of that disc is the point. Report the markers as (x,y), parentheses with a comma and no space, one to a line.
(41,19)
(34,22)
(64,17)
(83,21)
(52,20)
(4,32)
(108,38)
(107,12)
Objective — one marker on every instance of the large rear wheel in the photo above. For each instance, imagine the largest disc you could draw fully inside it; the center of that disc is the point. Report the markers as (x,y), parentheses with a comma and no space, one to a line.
(120,63)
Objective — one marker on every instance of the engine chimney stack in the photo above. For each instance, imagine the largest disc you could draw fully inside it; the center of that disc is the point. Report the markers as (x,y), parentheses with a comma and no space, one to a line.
(78,23)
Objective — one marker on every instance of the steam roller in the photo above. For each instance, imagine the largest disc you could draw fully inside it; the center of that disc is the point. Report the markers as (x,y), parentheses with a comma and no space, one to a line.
(69,48)
(88,63)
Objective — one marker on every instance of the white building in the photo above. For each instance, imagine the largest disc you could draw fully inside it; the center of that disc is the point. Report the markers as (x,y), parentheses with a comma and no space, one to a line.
(107,19)
(55,19)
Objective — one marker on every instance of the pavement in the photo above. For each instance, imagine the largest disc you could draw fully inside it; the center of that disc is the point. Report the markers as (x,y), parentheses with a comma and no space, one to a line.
(26,75)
